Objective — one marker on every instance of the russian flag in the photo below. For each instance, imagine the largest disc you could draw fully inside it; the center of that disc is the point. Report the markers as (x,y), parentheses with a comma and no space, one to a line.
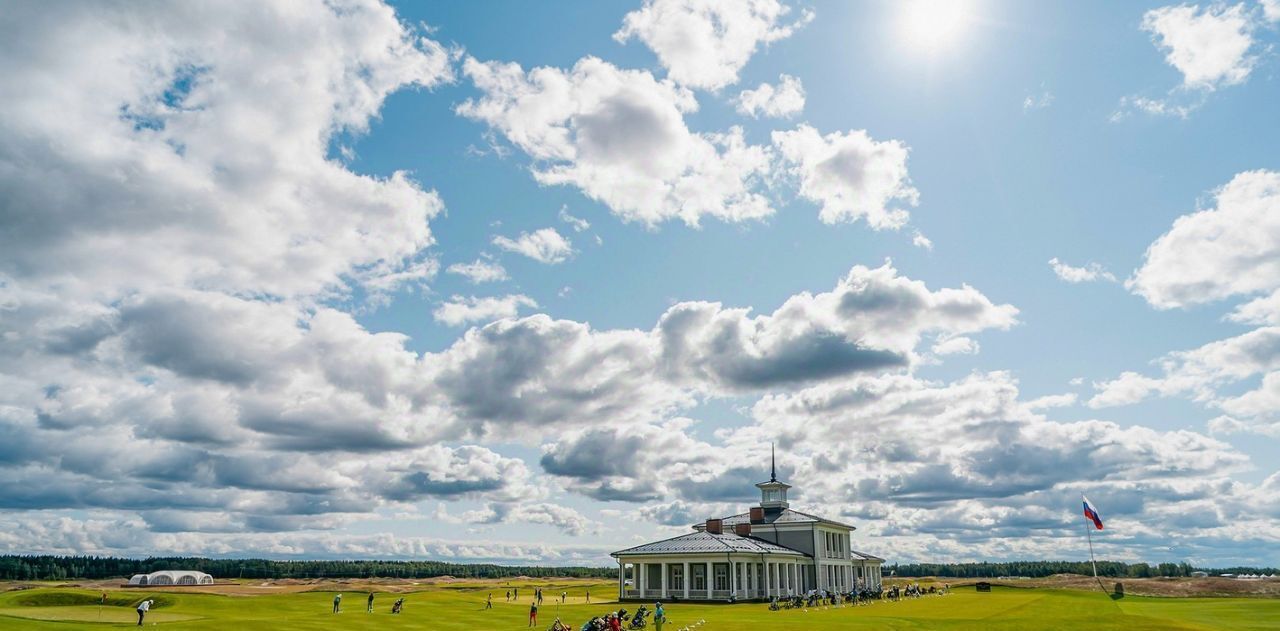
(1091,514)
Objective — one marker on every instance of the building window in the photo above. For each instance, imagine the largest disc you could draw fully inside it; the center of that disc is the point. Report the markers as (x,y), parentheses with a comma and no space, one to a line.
(699,573)
(721,576)
(677,577)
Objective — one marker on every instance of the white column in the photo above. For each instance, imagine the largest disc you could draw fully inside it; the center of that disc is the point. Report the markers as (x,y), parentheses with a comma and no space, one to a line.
(622,578)
(642,582)
(711,580)
(664,581)
(684,580)
(733,578)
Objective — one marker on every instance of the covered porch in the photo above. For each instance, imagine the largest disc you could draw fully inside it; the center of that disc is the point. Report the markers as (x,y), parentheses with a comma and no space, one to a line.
(719,577)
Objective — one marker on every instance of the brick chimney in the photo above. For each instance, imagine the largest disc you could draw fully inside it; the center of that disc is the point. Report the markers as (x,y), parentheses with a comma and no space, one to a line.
(742,530)
(757,515)
(715,526)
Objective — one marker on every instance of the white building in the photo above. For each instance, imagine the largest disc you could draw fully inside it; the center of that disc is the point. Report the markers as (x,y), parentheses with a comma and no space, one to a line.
(170,577)
(768,551)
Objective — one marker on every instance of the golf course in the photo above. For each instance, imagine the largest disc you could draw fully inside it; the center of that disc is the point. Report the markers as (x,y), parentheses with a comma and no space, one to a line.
(248,606)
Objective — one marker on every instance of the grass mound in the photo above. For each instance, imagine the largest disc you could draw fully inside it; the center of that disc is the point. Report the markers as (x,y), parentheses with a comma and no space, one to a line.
(51,598)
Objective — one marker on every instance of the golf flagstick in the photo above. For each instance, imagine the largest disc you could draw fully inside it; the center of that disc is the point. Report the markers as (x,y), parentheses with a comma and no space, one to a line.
(1089,534)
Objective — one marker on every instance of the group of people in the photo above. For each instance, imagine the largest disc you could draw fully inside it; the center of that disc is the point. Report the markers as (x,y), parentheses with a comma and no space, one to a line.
(858,596)
(396,607)
(513,595)
(615,620)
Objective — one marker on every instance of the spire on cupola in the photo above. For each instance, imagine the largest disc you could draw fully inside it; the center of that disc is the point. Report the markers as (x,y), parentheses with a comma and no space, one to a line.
(773,494)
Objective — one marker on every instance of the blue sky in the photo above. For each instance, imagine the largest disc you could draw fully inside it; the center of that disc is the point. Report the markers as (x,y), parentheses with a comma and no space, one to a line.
(258,296)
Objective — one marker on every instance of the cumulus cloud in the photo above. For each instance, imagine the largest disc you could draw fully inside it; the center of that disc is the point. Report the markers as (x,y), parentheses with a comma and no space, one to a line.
(480,271)
(994,447)
(705,43)
(187,159)
(620,137)
(1270,10)
(465,309)
(544,245)
(1087,274)
(1212,47)
(1209,46)
(781,101)
(851,175)
(1230,249)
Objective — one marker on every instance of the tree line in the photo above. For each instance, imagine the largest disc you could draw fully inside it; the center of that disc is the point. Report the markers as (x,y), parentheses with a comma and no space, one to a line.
(1040,569)
(49,567)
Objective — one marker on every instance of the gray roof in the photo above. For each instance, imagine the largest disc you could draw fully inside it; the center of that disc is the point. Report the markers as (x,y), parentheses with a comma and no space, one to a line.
(704,542)
(784,516)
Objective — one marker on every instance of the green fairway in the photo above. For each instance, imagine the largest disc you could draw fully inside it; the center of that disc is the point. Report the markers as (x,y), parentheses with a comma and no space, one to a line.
(461,606)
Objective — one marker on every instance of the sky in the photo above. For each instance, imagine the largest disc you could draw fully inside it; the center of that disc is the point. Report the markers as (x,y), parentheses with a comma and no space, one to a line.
(532,282)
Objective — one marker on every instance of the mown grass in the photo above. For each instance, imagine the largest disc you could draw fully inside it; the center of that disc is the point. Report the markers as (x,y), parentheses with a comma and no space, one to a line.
(462,607)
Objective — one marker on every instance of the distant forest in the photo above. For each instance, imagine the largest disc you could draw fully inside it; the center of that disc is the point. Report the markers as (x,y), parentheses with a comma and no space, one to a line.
(43,568)
(1038,569)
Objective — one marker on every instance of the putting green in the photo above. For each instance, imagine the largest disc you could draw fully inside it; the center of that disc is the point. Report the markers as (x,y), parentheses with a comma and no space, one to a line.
(461,606)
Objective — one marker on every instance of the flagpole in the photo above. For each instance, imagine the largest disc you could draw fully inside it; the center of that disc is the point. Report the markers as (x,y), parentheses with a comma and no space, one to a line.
(1089,535)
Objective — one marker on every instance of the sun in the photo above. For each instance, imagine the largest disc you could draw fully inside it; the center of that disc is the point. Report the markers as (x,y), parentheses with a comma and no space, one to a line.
(932,26)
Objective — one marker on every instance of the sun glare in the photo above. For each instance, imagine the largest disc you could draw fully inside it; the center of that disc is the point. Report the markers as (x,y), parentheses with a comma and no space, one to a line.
(932,26)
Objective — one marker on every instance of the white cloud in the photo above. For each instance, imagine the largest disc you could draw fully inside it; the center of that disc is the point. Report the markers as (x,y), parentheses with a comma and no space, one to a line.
(1264,310)
(1209,46)
(620,136)
(704,43)
(1052,401)
(920,241)
(200,158)
(1230,249)
(462,310)
(1087,274)
(850,174)
(480,271)
(785,100)
(544,245)
(578,224)
(1270,10)
(959,345)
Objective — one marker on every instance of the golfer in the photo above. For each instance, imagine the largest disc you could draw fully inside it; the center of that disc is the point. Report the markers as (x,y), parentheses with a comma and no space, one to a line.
(488,603)
(337,603)
(143,608)
(369,608)
(533,613)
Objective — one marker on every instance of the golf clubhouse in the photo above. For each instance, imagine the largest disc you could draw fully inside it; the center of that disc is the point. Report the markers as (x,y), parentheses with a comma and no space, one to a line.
(771,550)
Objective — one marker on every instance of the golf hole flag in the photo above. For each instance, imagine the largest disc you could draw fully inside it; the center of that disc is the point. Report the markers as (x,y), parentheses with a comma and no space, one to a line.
(1091,514)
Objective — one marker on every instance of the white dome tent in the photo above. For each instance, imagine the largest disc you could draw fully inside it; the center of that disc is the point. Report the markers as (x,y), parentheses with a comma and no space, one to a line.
(170,577)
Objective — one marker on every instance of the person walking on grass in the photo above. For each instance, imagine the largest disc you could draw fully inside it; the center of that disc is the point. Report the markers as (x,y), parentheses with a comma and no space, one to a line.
(515,594)
(337,603)
(533,613)
(659,616)
(143,608)
(588,597)
(488,603)
(369,607)
(508,595)
(563,596)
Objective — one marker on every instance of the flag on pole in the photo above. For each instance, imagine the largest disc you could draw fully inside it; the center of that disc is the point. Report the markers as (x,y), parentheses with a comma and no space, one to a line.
(1091,514)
